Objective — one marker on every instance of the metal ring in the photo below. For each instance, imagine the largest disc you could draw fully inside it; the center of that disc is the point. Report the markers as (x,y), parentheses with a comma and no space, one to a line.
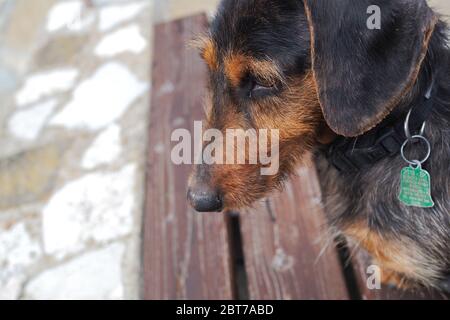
(422,130)
(406,126)
(416,162)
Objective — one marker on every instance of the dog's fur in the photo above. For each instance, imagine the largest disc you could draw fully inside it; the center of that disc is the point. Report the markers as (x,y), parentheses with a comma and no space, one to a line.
(313,70)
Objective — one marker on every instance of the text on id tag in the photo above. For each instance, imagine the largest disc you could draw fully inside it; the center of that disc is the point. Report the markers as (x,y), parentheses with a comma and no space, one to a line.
(415,187)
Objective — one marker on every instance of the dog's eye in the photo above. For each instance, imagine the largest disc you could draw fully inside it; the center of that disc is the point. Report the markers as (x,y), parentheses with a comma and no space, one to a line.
(260,90)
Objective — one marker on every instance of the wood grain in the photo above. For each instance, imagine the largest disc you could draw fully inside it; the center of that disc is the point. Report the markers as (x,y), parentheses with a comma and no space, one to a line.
(185,254)
(283,256)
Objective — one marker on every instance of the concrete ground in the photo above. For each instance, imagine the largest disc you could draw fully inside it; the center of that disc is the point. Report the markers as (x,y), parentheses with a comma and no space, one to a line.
(74,84)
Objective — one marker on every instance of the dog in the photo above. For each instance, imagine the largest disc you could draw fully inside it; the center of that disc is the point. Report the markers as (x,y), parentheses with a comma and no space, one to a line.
(335,87)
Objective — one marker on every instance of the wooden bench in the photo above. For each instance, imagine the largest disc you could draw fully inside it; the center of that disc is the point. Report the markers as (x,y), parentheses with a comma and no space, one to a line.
(273,251)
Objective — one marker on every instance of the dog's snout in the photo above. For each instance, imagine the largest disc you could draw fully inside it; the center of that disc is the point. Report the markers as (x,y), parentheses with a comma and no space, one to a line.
(205,199)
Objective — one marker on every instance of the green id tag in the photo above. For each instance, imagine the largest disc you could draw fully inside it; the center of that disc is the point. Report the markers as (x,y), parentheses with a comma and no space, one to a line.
(415,188)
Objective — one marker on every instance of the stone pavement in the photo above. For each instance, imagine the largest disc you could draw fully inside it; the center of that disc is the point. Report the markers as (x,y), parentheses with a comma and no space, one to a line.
(74,83)
(74,91)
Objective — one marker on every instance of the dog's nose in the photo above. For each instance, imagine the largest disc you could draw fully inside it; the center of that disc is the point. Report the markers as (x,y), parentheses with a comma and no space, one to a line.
(205,199)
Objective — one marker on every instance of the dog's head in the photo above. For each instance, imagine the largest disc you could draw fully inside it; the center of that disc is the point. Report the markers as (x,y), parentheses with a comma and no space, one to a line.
(302,67)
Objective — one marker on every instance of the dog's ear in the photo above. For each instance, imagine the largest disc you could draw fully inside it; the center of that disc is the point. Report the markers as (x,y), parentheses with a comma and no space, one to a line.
(361,72)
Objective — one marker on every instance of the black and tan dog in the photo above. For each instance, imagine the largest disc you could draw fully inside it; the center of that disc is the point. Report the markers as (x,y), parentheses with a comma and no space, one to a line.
(315,71)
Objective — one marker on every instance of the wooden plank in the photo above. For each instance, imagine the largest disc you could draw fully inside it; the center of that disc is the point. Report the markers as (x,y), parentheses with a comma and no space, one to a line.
(186,254)
(282,256)
(362,260)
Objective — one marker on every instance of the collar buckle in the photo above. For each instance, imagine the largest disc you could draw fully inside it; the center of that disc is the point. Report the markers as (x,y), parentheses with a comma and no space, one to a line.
(347,157)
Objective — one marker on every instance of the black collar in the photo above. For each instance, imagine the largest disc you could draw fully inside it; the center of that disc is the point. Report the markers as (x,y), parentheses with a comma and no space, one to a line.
(385,140)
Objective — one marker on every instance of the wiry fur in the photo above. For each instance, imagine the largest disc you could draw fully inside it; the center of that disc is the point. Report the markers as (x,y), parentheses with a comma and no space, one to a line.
(269,41)
(364,204)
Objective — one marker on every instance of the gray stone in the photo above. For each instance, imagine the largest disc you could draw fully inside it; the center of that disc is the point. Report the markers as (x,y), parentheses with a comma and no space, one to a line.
(18,251)
(8,80)
(94,275)
(94,208)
